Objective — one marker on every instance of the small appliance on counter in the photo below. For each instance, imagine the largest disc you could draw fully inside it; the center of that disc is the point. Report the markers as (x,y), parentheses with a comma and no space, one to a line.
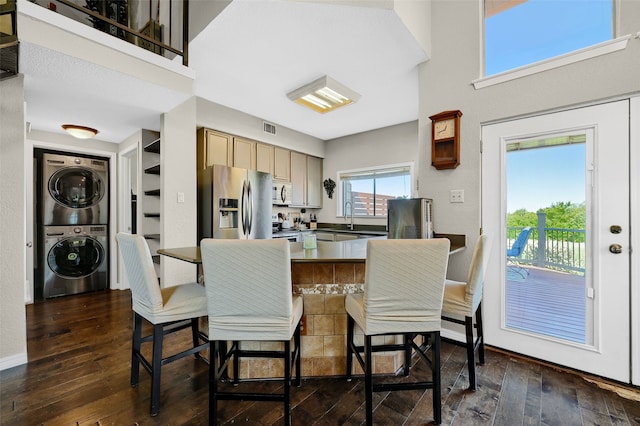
(410,218)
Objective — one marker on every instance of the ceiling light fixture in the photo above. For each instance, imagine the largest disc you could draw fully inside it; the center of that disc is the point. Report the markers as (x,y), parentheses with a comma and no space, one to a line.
(80,132)
(323,95)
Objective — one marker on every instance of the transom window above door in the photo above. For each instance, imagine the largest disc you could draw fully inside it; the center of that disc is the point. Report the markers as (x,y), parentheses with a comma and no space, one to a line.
(522,32)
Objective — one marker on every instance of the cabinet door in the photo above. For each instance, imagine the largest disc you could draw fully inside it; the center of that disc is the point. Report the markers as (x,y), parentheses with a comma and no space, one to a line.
(281,164)
(244,153)
(264,158)
(298,179)
(214,148)
(314,182)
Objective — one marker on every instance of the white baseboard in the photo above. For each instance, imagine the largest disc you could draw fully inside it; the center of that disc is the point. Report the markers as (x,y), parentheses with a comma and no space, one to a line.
(13,360)
(453,335)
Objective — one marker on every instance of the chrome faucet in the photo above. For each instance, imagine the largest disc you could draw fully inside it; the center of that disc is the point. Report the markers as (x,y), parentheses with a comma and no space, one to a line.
(350,204)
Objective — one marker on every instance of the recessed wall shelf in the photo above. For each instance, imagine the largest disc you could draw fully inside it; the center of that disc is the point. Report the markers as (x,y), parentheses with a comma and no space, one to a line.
(153,147)
(153,170)
(151,201)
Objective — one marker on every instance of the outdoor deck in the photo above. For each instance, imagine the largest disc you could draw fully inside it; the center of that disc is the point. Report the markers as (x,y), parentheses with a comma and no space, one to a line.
(547,302)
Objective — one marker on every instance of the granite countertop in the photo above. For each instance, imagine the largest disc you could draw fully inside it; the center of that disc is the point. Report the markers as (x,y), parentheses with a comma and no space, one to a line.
(351,251)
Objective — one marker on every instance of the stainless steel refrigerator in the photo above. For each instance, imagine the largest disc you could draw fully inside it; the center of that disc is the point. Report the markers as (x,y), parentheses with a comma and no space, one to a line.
(410,218)
(234,203)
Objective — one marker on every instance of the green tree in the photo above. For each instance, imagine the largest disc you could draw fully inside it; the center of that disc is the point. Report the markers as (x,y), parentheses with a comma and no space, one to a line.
(566,215)
(522,218)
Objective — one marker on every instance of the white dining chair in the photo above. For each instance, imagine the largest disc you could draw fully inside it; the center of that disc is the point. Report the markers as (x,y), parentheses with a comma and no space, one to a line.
(464,299)
(250,298)
(169,310)
(403,292)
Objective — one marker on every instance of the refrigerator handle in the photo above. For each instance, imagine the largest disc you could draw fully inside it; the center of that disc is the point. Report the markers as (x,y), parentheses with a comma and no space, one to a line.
(243,208)
(249,208)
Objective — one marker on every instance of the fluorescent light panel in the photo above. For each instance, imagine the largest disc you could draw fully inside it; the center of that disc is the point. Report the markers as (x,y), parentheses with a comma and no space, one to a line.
(323,95)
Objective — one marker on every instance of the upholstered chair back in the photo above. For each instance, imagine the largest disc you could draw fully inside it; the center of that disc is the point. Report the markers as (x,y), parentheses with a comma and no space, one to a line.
(249,291)
(404,284)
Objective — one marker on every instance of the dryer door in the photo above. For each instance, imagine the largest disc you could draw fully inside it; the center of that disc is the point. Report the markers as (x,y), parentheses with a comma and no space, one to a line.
(76,187)
(76,257)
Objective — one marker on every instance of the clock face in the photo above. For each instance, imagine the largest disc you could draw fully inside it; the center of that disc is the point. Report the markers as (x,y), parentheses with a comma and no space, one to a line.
(444,129)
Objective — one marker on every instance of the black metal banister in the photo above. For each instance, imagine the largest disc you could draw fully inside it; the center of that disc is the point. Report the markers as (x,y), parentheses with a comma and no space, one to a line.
(129,30)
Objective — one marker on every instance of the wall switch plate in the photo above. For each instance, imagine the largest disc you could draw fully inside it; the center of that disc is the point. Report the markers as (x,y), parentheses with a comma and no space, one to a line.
(456,196)
(181,197)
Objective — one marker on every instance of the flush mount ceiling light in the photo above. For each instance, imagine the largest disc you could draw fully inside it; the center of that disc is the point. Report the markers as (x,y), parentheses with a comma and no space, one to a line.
(80,132)
(323,95)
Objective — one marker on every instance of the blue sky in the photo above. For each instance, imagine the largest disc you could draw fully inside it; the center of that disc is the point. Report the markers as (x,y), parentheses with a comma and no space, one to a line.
(540,29)
(539,177)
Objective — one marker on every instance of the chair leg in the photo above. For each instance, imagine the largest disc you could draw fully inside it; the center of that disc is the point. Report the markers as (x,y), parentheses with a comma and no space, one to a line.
(368,380)
(156,364)
(213,382)
(287,383)
(350,327)
(296,340)
(480,334)
(195,329)
(136,343)
(437,384)
(236,362)
(471,361)
(407,353)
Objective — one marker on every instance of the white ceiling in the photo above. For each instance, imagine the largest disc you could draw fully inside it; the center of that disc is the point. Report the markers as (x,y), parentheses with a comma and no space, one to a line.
(248,58)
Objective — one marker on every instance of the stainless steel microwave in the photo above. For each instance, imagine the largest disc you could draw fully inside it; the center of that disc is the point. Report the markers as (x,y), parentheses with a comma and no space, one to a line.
(281,194)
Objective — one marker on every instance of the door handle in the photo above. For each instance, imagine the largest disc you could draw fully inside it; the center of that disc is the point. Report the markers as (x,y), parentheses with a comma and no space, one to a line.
(615,248)
(29,244)
(615,229)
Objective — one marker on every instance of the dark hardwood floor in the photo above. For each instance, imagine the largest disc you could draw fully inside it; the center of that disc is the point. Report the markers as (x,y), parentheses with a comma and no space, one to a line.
(78,374)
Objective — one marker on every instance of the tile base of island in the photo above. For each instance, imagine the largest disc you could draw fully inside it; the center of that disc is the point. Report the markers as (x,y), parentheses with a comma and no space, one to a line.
(323,276)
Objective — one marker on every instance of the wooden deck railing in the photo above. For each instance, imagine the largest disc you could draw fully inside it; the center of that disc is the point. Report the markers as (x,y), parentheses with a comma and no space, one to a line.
(552,248)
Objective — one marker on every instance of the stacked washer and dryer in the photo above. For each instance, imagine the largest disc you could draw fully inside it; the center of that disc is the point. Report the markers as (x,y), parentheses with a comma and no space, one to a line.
(74,225)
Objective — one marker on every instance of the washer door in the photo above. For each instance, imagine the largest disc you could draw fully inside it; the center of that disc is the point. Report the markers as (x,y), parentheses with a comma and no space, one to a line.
(75,257)
(76,187)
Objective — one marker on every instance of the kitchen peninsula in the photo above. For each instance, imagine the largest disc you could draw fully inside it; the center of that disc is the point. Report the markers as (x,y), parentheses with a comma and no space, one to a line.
(323,276)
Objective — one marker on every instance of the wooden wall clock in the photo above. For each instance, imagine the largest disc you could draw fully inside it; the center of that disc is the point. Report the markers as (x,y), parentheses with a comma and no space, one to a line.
(445,139)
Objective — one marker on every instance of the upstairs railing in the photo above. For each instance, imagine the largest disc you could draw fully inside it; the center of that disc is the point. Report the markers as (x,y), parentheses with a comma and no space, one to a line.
(8,39)
(552,248)
(151,36)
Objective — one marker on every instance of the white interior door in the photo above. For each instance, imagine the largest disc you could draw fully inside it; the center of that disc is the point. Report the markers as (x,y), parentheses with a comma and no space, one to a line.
(604,131)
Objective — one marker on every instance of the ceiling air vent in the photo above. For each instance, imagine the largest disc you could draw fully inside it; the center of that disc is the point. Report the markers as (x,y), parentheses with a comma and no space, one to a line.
(269,128)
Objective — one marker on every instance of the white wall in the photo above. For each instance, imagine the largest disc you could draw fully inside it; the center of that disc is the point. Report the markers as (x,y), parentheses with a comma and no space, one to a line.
(13,332)
(178,174)
(389,145)
(445,84)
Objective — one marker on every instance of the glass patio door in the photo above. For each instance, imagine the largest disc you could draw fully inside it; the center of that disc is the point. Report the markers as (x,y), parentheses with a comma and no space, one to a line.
(561,181)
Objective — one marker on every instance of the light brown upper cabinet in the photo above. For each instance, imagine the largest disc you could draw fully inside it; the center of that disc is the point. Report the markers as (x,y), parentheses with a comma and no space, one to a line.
(314,182)
(281,164)
(264,158)
(298,179)
(214,148)
(244,153)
